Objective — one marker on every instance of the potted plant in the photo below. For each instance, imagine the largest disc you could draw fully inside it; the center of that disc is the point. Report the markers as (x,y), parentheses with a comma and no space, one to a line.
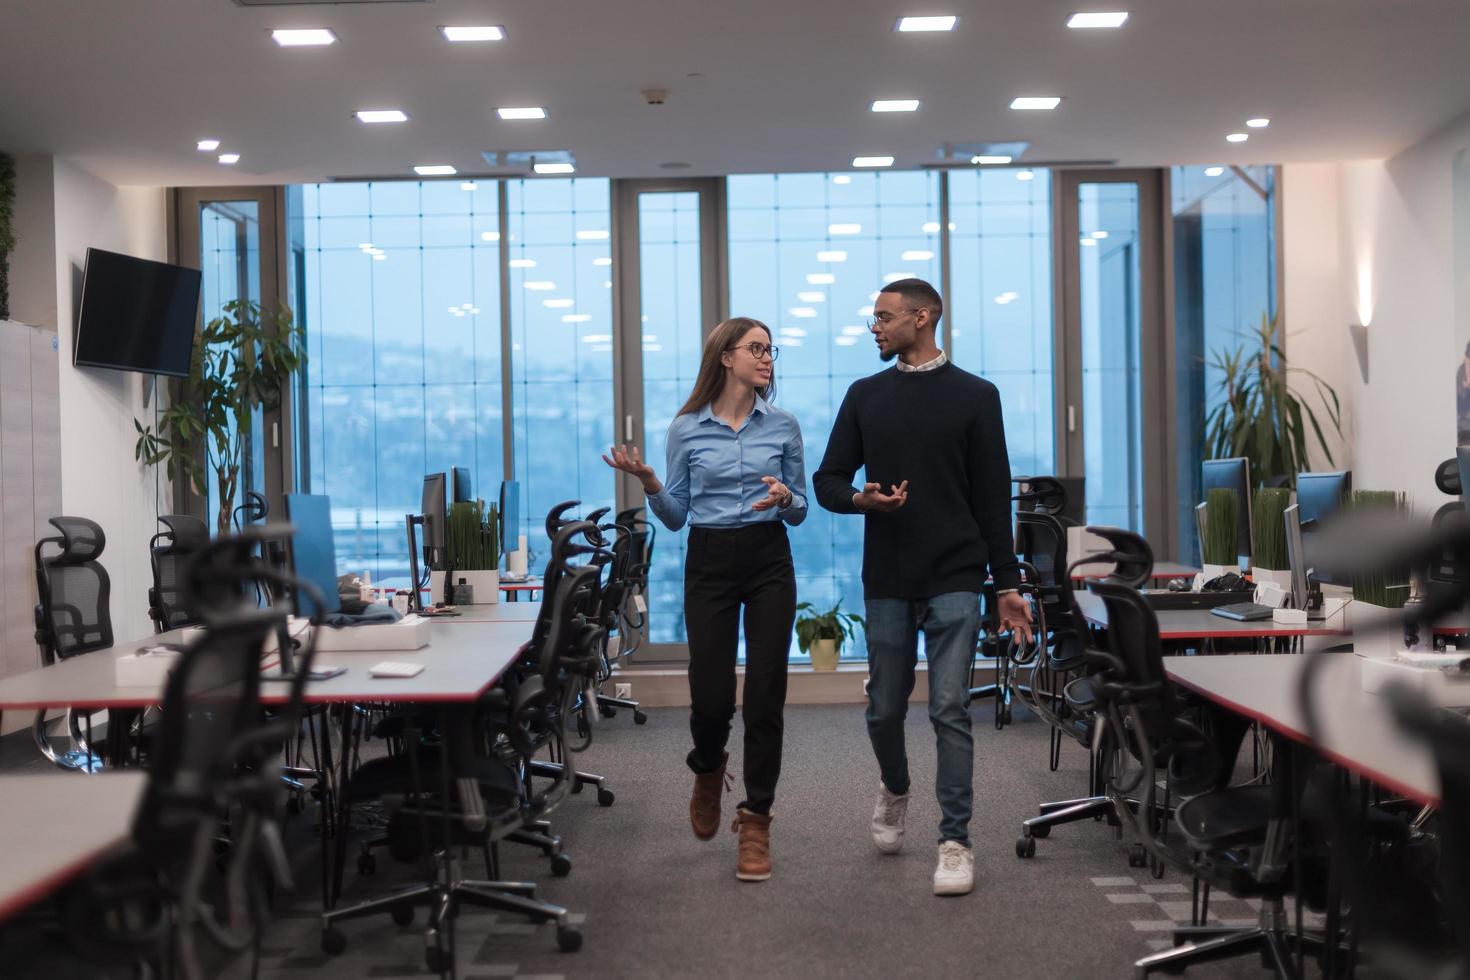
(1262,417)
(473,553)
(1377,595)
(1220,546)
(1268,545)
(822,634)
(241,364)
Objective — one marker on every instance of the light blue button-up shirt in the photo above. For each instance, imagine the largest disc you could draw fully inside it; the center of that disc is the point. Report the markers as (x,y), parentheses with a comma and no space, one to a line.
(713,477)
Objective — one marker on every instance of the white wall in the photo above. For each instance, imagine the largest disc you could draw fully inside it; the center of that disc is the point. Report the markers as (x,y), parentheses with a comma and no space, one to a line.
(1387,228)
(100,478)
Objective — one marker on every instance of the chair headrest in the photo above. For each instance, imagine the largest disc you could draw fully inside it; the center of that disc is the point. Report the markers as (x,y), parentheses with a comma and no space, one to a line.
(189,533)
(1447,477)
(81,540)
(1045,493)
(1133,558)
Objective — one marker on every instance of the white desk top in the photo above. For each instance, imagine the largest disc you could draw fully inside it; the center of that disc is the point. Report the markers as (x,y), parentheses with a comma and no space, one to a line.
(1201,624)
(1358,730)
(56,825)
(459,664)
(493,612)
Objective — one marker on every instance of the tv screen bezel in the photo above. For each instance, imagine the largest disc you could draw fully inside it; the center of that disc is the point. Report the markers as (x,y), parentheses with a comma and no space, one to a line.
(76,340)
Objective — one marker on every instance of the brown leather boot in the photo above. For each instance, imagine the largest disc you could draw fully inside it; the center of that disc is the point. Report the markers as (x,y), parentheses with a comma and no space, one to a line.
(704,805)
(755,845)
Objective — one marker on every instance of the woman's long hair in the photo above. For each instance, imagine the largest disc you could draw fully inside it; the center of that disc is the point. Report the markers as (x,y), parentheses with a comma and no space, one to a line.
(711,379)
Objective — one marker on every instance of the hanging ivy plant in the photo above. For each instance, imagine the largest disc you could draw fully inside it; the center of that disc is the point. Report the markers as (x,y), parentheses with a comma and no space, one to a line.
(7,229)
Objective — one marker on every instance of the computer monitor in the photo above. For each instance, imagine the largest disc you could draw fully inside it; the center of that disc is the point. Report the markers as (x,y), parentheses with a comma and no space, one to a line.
(1232,474)
(1318,497)
(312,551)
(510,515)
(463,488)
(1296,556)
(432,509)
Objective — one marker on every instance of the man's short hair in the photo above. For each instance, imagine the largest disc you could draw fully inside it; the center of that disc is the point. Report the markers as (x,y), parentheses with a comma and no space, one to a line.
(918,293)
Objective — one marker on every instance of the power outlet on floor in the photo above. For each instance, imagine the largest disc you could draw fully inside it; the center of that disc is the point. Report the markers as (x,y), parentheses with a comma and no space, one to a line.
(624,691)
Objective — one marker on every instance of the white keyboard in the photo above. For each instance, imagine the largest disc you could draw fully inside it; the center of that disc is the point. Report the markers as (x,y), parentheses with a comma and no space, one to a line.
(390,668)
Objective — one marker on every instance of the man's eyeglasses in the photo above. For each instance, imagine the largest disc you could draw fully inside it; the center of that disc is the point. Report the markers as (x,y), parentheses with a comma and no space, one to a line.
(886,318)
(759,350)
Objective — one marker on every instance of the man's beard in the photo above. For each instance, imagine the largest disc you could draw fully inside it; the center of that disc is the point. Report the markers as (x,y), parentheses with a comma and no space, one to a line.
(887,355)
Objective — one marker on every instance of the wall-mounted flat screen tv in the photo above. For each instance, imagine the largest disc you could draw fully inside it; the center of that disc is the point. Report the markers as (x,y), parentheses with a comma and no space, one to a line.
(136,315)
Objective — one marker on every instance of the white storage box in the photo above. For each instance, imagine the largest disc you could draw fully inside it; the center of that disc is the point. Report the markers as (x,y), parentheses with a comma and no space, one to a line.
(409,633)
(147,667)
(1421,672)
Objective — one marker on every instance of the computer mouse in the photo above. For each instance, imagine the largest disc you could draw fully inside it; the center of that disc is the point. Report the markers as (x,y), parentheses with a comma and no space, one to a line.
(1178,585)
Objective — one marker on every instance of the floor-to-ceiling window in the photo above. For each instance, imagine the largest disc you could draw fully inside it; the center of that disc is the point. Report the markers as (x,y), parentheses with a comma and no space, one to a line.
(1225,267)
(399,283)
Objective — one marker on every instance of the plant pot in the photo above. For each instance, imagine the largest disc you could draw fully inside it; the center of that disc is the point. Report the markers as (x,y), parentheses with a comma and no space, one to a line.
(824,654)
(436,588)
(483,582)
(1209,571)
(1275,577)
(1368,642)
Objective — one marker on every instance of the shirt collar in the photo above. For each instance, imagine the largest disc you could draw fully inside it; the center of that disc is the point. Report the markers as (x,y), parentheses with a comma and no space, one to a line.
(708,412)
(938,362)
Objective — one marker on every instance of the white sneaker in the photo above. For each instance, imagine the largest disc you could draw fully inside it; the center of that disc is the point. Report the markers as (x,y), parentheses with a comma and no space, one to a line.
(955,874)
(888,814)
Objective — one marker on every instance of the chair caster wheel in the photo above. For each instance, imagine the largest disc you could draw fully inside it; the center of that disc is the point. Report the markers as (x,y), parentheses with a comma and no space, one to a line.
(402,915)
(436,959)
(334,941)
(639,718)
(367,865)
(1025,847)
(605,797)
(568,939)
(1136,857)
(561,865)
(607,711)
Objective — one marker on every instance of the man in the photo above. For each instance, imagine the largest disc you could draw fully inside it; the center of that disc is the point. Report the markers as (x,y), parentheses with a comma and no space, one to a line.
(929,429)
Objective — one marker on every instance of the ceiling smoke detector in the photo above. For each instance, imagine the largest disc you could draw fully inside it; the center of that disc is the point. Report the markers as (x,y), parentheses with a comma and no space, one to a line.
(655,96)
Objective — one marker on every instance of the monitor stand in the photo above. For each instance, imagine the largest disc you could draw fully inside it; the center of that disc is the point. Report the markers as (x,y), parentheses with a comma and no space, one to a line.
(416,594)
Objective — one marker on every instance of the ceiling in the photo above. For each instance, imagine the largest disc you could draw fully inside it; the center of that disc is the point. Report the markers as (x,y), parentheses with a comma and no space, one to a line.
(126,88)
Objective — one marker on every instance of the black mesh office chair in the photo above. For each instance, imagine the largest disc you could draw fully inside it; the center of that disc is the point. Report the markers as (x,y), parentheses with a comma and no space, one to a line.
(169,551)
(73,617)
(633,613)
(623,578)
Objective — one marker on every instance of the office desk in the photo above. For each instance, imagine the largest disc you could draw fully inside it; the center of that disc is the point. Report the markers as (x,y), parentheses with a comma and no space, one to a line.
(515,589)
(1176,625)
(460,663)
(496,612)
(1162,570)
(1358,731)
(56,825)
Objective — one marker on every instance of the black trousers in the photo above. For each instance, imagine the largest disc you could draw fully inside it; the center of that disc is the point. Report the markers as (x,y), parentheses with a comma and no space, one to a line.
(728,568)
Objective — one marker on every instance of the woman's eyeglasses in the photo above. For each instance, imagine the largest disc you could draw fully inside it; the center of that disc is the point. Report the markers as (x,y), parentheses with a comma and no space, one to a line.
(759,350)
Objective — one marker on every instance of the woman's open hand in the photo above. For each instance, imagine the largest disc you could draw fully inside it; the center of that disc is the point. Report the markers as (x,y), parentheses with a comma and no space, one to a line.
(630,461)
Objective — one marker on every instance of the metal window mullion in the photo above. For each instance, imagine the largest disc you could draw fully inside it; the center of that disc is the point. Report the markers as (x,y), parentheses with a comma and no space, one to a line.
(507,392)
(944,266)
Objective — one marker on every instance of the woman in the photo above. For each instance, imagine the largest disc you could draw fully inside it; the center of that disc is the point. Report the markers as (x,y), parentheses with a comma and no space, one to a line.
(735,473)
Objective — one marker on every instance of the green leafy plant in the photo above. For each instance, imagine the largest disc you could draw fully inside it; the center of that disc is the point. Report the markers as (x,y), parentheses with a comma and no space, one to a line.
(242,362)
(1220,543)
(1262,416)
(1268,547)
(1385,588)
(472,536)
(7,229)
(834,624)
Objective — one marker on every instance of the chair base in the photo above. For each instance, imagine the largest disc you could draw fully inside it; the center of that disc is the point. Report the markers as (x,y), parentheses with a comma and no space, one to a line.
(1270,938)
(551,770)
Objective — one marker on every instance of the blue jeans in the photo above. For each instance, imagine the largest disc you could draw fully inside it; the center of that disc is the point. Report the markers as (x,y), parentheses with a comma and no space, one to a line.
(950,624)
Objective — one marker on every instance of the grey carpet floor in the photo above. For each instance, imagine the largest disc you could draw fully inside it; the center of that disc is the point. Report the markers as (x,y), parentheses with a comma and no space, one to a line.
(653,901)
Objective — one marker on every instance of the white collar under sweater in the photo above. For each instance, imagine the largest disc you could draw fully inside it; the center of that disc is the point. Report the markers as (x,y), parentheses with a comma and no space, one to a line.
(938,362)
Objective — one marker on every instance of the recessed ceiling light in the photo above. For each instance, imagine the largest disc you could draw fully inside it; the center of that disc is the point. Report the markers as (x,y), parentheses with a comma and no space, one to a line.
(540,286)
(1260,122)
(889,277)
(832,256)
(381,115)
(522,263)
(469,185)
(1214,171)
(802,312)
(932,227)
(558,304)
(895,105)
(207,146)
(365,246)
(820,278)
(845,229)
(1115,18)
(845,341)
(842,179)
(989,160)
(917,255)
(592,235)
(547,169)
(1099,235)
(796,332)
(1088,242)
(576,317)
(1237,137)
(303,37)
(602,260)
(379,257)
(1025,175)
(229,158)
(812,297)
(490,236)
(434,170)
(467,33)
(522,112)
(854,331)
(911,25)
(872,161)
(1035,102)
(865,311)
